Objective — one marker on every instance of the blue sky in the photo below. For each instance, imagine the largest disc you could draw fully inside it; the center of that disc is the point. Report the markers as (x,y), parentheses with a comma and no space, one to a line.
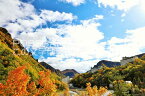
(76,34)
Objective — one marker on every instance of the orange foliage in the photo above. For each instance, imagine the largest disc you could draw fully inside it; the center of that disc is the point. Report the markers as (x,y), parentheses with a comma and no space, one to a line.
(16,84)
(89,89)
(66,91)
(47,85)
(32,89)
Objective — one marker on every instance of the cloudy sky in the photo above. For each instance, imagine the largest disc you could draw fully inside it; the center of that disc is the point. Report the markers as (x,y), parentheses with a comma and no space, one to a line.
(76,34)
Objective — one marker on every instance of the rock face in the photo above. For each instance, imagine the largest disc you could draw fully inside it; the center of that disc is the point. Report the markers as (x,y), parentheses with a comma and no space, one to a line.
(106,63)
(126,60)
(57,71)
(70,72)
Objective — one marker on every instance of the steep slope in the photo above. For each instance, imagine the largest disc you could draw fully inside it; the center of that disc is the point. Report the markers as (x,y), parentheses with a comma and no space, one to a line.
(57,71)
(70,72)
(13,55)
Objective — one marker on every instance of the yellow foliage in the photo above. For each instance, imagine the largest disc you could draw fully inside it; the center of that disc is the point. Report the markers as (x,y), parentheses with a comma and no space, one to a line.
(94,91)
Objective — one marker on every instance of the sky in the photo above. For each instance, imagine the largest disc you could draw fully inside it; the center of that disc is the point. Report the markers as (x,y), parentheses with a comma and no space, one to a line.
(76,34)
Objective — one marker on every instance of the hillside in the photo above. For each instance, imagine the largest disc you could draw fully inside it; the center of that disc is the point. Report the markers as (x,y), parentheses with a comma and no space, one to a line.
(15,58)
(57,71)
(70,72)
(133,72)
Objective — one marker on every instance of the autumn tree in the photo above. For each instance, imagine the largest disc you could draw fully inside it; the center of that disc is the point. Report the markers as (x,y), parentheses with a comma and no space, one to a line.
(47,86)
(16,84)
(94,91)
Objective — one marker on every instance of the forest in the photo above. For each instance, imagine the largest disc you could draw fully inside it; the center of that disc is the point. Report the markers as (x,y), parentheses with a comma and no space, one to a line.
(133,72)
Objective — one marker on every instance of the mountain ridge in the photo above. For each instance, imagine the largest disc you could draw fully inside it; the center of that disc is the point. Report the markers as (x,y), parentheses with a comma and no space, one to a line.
(70,72)
(57,71)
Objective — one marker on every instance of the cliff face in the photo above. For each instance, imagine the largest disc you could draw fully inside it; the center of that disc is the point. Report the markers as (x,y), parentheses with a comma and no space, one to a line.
(102,63)
(70,72)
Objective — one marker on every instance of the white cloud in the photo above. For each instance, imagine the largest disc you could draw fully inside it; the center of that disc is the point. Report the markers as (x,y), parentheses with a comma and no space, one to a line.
(119,4)
(24,17)
(80,41)
(71,63)
(74,2)
(10,10)
(38,38)
(56,16)
(77,44)
(132,44)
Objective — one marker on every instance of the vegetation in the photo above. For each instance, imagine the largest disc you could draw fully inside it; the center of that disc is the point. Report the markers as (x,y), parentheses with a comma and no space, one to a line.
(19,84)
(134,72)
(94,91)
(21,74)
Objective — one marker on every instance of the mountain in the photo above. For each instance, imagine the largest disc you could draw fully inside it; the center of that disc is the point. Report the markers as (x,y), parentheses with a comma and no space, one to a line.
(70,72)
(124,61)
(133,72)
(107,63)
(14,55)
(102,63)
(57,71)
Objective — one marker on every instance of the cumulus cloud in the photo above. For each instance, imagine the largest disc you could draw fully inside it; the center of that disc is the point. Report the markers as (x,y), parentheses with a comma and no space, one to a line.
(22,17)
(10,10)
(132,44)
(74,2)
(52,16)
(120,4)
(79,46)
(82,47)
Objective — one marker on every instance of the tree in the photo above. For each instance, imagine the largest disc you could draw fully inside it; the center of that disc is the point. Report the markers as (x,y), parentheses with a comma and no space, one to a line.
(47,86)
(16,84)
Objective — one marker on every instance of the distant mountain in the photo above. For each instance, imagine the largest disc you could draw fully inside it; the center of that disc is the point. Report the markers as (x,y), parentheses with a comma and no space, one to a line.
(107,63)
(124,61)
(47,66)
(70,72)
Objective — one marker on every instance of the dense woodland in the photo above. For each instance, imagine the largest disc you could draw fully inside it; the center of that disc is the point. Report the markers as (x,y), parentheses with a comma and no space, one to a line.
(134,72)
